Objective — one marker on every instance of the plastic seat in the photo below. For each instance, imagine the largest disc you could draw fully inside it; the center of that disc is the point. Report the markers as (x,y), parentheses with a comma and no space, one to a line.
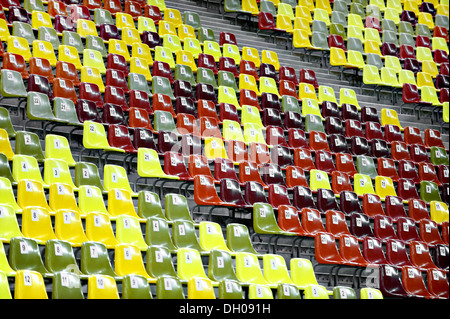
(128,231)
(176,208)
(102,287)
(29,285)
(31,260)
(128,261)
(190,264)
(95,260)
(248,269)
(439,212)
(26,167)
(99,229)
(211,237)
(205,193)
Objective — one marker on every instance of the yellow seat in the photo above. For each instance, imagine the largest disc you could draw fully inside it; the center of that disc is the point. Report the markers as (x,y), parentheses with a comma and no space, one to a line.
(211,237)
(355,20)
(186,31)
(166,27)
(311,106)
(119,47)
(268,85)
(57,171)
(102,287)
(439,212)
(424,54)
(325,5)
(250,115)
(212,48)
(389,116)
(140,66)
(338,57)
(44,50)
(232,51)
(302,272)
(164,54)
(26,167)
(67,53)
(429,94)
(372,35)
(18,45)
(40,19)
(228,95)
(442,9)
(411,5)
(115,176)
(326,93)
(316,292)
(130,36)
(192,45)
(438,43)
(371,46)
(146,24)
(302,11)
(128,261)
(259,292)
(158,3)
(69,227)
(303,24)
(424,79)
(300,39)
(29,284)
(200,288)
(348,96)
(92,75)
(406,76)
(431,68)
(5,292)
(322,15)
(214,148)
(251,54)
(275,269)
(319,179)
(124,20)
(142,51)
(184,57)
(128,231)
(148,164)
(445,112)
(62,197)
(31,193)
(371,75)
(4,30)
(355,32)
(253,133)
(270,57)
(392,62)
(10,226)
(5,144)
(426,18)
(99,229)
(371,293)
(248,82)
(86,27)
(389,78)
(120,203)
(94,137)
(37,224)
(172,42)
(384,186)
(173,16)
(363,184)
(284,23)
(7,194)
(189,264)
(307,91)
(286,9)
(232,131)
(355,59)
(250,6)
(248,269)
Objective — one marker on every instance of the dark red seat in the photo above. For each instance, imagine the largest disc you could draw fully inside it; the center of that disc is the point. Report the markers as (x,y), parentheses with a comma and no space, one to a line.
(230,192)
(324,161)
(118,136)
(406,230)
(113,114)
(302,197)
(116,95)
(91,92)
(254,193)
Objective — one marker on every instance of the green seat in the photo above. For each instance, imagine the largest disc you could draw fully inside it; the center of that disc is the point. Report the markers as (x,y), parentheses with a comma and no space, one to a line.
(314,123)
(405,27)
(338,29)
(157,233)
(87,174)
(65,111)
(184,236)
(149,205)
(341,292)
(287,291)
(238,238)
(23,30)
(206,76)
(164,121)
(365,165)
(95,260)
(11,84)
(387,24)
(220,266)
(28,143)
(231,289)
(24,254)
(355,44)
(159,262)
(290,104)
(96,43)
(138,82)
(439,156)
(59,257)
(72,39)
(184,73)
(66,285)
(176,208)
(135,287)
(50,35)
(103,16)
(339,17)
(39,107)
(193,19)
(264,221)
(206,34)
(226,78)
(374,60)
(268,6)
(169,287)
(6,124)
(429,191)
(407,39)
(441,20)
(162,85)
(33,5)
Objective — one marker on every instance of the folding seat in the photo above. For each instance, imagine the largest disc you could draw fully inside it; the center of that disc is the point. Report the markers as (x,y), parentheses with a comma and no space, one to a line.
(128,261)
(128,231)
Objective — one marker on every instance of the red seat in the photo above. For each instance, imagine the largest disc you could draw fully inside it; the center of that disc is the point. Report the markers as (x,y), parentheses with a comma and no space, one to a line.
(372,205)
(345,164)
(406,189)
(266,21)
(392,133)
(139,118)
(295,176)
(191,144)
(383,228)
(92,5)
(438,283)
(441,256)
(308,76)
(326,251)
(182,88)
(174,165)
(297,139)
(288,220)
(118,136)
(394,208)
(417,210)
(302,197)
(350,251)
(349,112)
(139,99)
(249,97)
(288,73)
(330,109)
(281,155)
(41,67)
(162,102)
(113,114)
(293,120)
(340,182)
(248,67)
(109,31)
(15,62)
(369,114)
(406,229)
(198,165)
(254,193)
(55,8)
(373,131)
(433,138)
(161,68)
(429,232)
(413,283)
(386,167)
(360,226)
(391,283)
(312,221)
(65,89)
(237,151)
(445,232)
(420,255)
(399,151)
(441,57)
(270,101)
(133,8)
(40,84)
(78,12)
(372,22)
(443,174)
(419,153)
(205,192)
(411,94)
(336,41)
(206,108)
(167,142)
(207,61)
(287,88)
(259,153)
(91,92)
(269,71)
(227,112)
(143,137)
(373,251)
(209,127)
(407,170)
(187,124)
(338,143)
(275,136)
(230,192)
(67,71)
(379,148)
(427,172)
(205,92)
(229,65)
(116,78)
(334,125)
(349,202)
(272,174)
(318,141)
(326,200)
(388,48)
(359,146)
(227,37)
(397,253)
(335,223)
(423,41)
(115,95)
(87,111)
(412,135)
(185,105)
(440,32)
(153,12)
(224,168)
(406,52)
(113,6)
(117,62)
